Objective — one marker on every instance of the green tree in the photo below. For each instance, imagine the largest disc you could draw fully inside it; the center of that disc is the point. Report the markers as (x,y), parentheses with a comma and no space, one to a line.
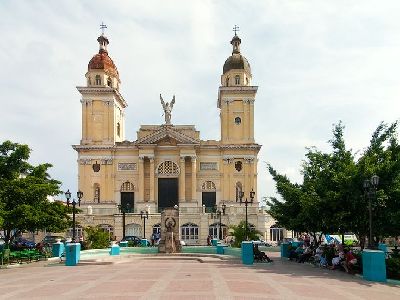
(24,189)
(97,238)
(331,198)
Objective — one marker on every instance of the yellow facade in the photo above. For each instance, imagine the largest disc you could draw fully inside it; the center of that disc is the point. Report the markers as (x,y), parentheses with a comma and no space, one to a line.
(167,164)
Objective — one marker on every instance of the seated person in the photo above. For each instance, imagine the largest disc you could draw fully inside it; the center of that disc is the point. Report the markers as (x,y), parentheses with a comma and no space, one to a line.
(336,261)
(260,255)
(295,253)
(306,255)
(349,261)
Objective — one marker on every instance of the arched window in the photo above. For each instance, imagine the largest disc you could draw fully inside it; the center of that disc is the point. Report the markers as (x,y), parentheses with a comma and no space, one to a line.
(215,233)
(237,79)
(89,81)
(247,81)
(109,82)
(227,81)
(208,186)
(118,129)
(238,166)
(133,229)
(168,168)
(78,232)
(238,190)
(109,229)
(98,80)
(157,228)
(96,197)
(190,233)
(127,187)
(276,233)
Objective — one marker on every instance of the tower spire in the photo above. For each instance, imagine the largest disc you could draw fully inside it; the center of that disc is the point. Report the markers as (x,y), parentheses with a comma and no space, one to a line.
(236,41)
(103,41)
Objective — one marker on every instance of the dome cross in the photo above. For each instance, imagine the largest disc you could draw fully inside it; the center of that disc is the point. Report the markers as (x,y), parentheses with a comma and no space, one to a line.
(102,27)
(235,29)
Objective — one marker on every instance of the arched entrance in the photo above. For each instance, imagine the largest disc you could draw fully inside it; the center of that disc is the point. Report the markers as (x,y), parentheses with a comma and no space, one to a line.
(167,172)
(128,196)
(208,195)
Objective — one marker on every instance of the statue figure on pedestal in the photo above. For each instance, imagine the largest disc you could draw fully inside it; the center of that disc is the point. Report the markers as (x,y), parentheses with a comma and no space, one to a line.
(167,107)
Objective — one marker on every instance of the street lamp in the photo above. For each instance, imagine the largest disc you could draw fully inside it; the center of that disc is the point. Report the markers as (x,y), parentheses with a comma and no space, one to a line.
(246,203)
(79,195)
(219,213)
(370,187)
(124,209)
(144,214)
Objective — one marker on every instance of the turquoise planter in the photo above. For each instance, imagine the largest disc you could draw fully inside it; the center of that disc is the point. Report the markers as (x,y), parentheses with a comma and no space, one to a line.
(247,253)
(115,250)
(57,249)
(72,254)
(374,265)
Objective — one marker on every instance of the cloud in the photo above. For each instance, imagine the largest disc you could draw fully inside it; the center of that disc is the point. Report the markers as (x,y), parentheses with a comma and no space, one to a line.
(316,62)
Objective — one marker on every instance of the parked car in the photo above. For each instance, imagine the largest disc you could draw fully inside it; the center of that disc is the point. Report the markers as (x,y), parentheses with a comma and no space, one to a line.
(136,241)
(49,240)
(21,243)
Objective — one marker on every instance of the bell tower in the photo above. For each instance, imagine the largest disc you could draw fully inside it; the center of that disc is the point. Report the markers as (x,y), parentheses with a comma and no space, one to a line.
(236,98)
(103,107)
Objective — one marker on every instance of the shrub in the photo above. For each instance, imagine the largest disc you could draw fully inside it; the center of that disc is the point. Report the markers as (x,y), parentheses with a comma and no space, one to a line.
(393,268)
(97,238)
(239,233)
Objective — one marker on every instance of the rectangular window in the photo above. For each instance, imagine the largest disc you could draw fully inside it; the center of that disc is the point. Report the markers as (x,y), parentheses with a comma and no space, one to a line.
(206,166)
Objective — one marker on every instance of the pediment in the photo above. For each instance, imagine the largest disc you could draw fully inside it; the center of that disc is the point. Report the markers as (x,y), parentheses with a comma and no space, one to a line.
(167,136)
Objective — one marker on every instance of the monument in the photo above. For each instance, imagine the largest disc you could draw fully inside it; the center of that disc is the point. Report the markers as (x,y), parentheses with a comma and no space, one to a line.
(170,242)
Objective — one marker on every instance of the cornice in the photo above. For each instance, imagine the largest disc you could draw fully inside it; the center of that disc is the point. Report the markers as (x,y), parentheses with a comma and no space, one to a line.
(103,90)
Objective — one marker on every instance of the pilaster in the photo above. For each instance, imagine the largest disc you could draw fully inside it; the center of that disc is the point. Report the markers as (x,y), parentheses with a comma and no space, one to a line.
(182,179)
(141,178)
(194,178)
(152,179)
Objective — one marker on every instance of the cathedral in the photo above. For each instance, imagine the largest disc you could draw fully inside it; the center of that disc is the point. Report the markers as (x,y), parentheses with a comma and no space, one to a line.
(127,183)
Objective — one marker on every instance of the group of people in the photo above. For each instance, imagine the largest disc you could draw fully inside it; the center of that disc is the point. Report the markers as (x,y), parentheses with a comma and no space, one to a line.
(331,256)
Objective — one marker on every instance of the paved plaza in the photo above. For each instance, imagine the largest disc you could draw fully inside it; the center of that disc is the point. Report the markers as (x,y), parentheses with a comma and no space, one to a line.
(139,277)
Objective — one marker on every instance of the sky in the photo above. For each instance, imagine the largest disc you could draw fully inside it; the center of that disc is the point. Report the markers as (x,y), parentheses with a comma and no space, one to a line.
(315,62)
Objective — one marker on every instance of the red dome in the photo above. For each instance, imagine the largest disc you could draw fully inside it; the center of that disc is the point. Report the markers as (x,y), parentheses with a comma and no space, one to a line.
(101,61)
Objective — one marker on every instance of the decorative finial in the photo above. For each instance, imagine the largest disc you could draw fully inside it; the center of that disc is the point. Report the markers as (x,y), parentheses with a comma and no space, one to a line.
(102,27)
(235,29)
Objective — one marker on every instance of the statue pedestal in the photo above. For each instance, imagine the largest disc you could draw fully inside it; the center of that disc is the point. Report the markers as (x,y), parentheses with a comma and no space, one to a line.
(214,242)
(169,242)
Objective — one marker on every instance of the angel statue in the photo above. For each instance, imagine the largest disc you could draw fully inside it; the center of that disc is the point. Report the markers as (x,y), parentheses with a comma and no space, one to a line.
(167,107)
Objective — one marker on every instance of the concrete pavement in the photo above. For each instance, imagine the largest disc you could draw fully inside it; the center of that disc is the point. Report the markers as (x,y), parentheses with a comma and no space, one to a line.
(139,277)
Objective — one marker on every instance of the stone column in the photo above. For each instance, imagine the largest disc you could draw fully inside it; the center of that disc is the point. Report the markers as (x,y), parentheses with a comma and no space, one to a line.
(182,178)
(194,178)
(141,178)
(152,199)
